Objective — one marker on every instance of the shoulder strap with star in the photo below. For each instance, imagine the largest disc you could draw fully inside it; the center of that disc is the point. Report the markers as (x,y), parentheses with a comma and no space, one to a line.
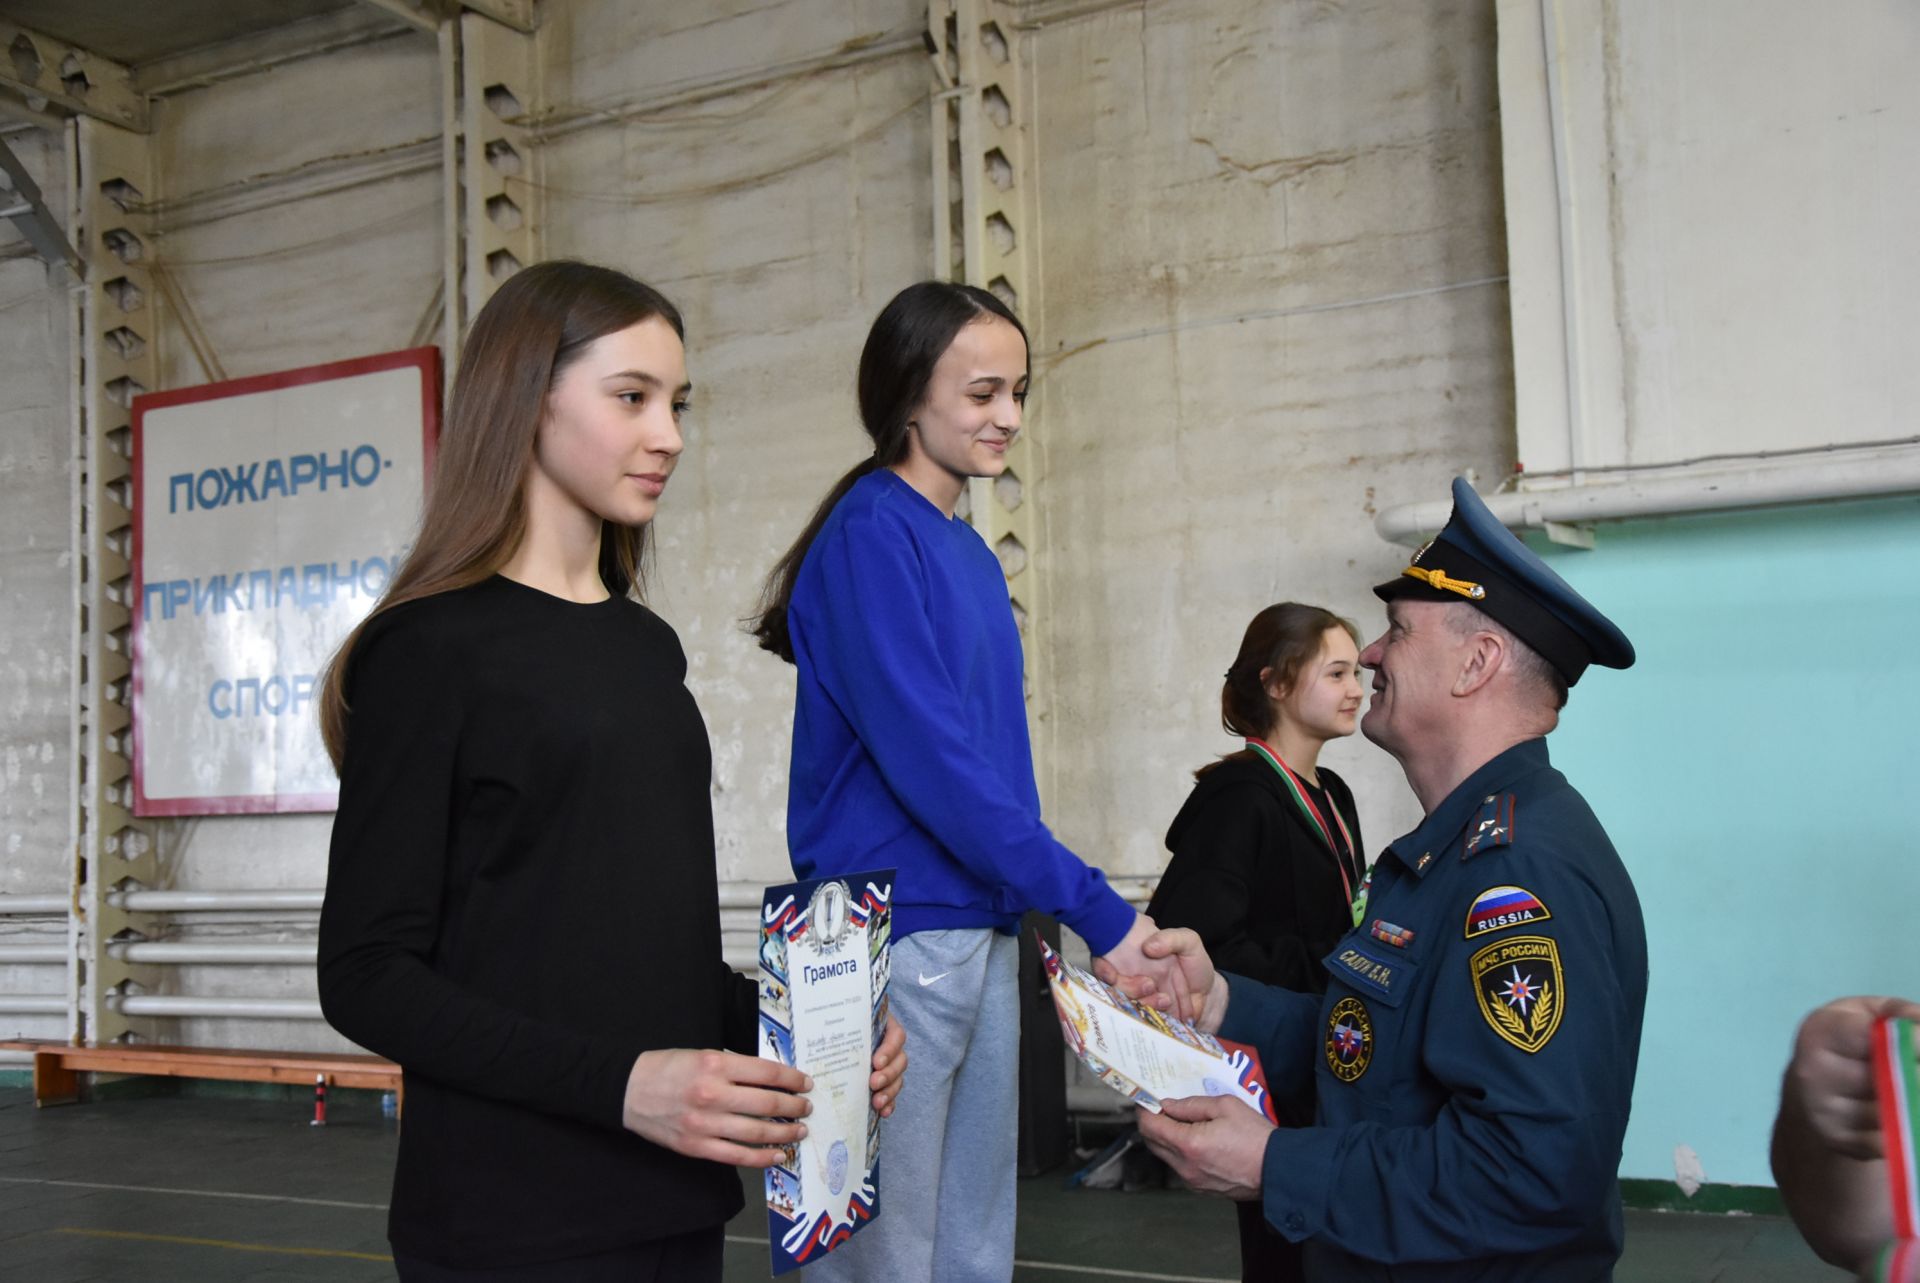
(1491,826)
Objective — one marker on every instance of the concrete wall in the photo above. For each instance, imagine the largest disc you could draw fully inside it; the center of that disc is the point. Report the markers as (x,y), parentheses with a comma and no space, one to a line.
(37,455)
(1708,207)
(1271,299)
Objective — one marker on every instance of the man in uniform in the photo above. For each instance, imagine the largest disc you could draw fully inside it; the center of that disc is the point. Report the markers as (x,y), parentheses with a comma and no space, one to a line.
(1475,1050)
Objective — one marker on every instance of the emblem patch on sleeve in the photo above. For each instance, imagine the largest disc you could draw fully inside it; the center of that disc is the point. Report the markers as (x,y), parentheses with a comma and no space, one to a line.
(1349,1039)
(1520,989)
(1498,908)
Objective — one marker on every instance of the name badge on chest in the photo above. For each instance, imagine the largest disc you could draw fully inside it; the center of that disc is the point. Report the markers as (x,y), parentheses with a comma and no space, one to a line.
(1385,978)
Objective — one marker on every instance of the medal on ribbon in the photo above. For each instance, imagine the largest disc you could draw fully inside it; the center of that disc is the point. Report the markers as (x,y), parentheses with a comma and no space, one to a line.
(1356,904)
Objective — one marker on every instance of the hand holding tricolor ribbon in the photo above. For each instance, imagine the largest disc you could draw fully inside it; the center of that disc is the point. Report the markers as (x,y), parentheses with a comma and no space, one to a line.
(1896,1072)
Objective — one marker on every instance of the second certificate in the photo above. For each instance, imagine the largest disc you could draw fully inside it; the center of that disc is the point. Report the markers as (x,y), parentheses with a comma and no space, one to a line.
(824,950)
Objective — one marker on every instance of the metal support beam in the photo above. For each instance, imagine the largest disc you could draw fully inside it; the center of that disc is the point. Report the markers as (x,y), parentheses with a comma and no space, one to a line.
(21,204)
(516,14)
(453,212)
(44,70)
(421,15)
(981,233)
(119,347)
(427,15)
(491,88)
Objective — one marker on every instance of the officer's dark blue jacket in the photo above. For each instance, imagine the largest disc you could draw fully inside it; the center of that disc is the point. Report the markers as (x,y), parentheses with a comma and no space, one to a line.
(1475,1050)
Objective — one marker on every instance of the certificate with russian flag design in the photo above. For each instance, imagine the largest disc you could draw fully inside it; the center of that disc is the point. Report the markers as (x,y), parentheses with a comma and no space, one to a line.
(825,952)
(1146,1055)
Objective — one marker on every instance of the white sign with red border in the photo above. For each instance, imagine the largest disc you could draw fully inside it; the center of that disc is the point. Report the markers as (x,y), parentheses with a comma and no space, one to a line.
(268,516)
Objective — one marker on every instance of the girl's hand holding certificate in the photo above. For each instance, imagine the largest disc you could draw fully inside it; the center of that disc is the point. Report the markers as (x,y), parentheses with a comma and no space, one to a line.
(717,1105)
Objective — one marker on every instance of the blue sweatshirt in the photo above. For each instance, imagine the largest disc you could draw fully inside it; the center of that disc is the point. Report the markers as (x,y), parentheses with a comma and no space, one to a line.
(910,746)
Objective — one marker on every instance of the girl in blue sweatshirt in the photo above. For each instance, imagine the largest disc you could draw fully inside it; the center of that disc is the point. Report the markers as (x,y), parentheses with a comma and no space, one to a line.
(910,752)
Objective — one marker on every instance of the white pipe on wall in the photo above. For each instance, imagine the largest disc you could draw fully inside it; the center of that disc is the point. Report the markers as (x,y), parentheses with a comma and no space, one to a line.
(221,953)
(214,901)
(1788,479)
(17,954)
(33,1004)
(38,904)
(230,1008)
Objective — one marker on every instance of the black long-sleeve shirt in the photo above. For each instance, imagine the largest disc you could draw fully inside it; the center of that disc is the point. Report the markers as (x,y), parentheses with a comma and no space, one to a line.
(521,900)
(1253,877)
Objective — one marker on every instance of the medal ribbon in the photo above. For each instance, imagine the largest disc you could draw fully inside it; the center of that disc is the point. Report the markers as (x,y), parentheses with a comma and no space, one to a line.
(1896,1056)
(1898,1262)
(1301,799)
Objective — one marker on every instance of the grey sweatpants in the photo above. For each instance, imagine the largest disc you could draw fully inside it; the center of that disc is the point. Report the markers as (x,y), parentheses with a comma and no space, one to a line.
(947,1155)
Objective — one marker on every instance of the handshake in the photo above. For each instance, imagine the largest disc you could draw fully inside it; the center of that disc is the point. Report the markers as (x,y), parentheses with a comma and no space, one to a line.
(1213,1143)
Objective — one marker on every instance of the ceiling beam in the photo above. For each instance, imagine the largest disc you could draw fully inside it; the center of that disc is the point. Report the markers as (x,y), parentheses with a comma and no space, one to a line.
(421,15)
(427,15)
(263,50)
(21,205)
(517,14)
(44,70)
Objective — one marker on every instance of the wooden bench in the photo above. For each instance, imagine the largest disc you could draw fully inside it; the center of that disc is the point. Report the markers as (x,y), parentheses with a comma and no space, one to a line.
(57,1067)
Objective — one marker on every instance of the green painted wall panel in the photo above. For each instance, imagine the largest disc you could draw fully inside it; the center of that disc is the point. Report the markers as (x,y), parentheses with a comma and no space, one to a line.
(1756,771)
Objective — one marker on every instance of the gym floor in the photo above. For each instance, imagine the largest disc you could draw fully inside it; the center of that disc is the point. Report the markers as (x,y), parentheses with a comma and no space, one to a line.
(206,1187)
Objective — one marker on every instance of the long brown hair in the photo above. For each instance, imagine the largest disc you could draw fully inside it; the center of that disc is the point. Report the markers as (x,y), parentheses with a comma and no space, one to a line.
(907,340)
(1278,642)
(533,328)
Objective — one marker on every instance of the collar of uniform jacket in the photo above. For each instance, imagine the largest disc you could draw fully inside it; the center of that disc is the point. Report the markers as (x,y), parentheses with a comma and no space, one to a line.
(1441,832)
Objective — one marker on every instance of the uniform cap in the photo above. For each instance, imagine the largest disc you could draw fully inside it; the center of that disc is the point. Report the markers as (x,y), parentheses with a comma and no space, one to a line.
(1477,560)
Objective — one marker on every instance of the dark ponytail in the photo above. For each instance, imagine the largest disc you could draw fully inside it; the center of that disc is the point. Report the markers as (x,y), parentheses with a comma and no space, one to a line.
(907,340)
(1278,642)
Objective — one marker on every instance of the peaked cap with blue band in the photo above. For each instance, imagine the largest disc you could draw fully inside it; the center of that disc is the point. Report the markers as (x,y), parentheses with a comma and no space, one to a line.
(1479,561)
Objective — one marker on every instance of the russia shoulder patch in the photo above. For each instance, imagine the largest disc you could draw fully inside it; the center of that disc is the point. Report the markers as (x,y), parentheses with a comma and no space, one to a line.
(1498,908)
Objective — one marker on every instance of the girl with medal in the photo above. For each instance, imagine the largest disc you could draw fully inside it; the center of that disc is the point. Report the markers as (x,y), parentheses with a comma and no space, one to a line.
(910,751)
(521,905)
(1267,863)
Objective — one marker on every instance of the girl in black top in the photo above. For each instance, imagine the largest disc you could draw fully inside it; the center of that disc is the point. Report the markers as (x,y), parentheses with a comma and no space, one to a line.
(1267,861)
(521,907)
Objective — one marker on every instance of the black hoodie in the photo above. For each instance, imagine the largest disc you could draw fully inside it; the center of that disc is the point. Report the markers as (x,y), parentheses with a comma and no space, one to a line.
(1252,875)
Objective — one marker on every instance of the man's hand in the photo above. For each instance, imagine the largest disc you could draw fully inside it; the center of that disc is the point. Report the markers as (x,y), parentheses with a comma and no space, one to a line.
(1172,973)
(1167,985)
(1828,1157)
(717,1105)
(1214,1143)
(889,1062)
(1830,1079)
